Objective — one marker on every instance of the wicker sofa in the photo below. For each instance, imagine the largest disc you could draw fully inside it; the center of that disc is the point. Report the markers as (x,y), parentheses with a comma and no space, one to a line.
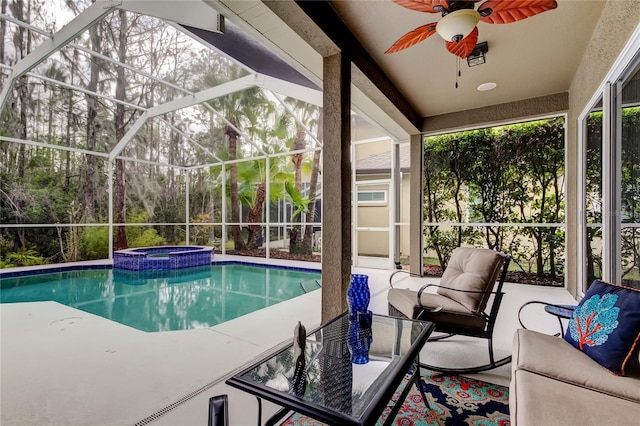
(553,383)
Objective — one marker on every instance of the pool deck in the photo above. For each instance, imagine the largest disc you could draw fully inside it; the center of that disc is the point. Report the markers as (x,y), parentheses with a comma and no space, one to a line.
(61,366)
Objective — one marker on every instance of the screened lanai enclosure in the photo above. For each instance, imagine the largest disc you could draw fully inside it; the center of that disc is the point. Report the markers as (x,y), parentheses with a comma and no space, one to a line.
(139,123)
(123,127)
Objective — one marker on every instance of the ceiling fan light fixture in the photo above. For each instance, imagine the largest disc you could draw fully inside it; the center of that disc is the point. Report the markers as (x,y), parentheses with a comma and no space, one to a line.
(457,25)
(477,56)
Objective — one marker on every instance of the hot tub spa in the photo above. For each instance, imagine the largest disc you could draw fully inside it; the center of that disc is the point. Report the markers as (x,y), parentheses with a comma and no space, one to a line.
(162,258)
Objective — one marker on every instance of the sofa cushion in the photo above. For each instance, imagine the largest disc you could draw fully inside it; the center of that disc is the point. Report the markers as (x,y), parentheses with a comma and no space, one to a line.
(555,358)
(606,325)
(473,269)
(539,400)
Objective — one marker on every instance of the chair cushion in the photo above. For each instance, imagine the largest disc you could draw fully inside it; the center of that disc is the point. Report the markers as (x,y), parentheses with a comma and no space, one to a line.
(452,313)
(473,269)
(606,325)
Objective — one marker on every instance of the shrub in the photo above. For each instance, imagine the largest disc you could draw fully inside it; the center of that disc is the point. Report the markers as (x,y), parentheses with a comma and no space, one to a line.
(94,243)
(148,238)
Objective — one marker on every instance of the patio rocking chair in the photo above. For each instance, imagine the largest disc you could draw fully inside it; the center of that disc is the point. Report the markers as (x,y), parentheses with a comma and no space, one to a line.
(459,306)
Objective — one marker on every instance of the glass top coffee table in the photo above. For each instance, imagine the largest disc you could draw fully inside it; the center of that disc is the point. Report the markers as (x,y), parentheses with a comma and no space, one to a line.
(347,373)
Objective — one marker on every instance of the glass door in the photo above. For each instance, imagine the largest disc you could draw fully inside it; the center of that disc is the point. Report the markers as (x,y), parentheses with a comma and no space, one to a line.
(625,191)
(592,217)
(610,194)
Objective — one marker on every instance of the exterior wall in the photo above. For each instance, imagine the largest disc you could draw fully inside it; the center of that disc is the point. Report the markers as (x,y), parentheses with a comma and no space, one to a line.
(496,114)
(372,148)
(374,215)
(366,212)
(377,215)
(617,23)
(405,235)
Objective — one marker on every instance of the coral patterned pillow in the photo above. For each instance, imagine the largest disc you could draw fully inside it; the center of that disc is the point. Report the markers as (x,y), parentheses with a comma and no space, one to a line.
(606,325)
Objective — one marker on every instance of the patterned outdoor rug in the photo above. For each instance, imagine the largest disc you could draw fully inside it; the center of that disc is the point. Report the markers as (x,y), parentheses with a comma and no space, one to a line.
(454,400)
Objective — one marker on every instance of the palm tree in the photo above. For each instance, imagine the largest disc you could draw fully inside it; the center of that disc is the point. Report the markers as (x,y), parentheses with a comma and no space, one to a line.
(306,117)
(270,130)
(239,109)
(307,241)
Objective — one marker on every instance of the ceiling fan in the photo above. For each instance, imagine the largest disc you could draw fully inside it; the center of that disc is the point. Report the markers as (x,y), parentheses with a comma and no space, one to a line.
(459,19)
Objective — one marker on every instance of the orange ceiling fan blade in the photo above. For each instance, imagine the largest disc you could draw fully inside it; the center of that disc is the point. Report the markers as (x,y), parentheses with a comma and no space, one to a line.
(464,47)
(430,6)
(505,12)
(413,37)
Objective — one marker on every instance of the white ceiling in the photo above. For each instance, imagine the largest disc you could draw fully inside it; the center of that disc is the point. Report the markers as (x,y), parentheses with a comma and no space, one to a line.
(527,59)
(531,58)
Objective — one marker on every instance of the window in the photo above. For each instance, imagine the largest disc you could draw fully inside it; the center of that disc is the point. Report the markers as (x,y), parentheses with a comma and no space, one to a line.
(372,197)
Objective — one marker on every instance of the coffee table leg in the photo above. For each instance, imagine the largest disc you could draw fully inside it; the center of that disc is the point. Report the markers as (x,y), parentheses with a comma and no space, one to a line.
(259,411)
(279,415)
(414,380)
(419,385)
(273,419)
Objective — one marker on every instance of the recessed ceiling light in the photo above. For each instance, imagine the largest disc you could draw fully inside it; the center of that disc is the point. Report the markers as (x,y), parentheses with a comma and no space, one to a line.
(487,86)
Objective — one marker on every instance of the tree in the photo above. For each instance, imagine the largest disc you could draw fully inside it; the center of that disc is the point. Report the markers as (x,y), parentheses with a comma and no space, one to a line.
(593,194)
(489,180)
(119,39)
(630,195)
(306,118)
(512,174)
(540,193)
(238,108)
(307,242)
(93,125)
(446,161)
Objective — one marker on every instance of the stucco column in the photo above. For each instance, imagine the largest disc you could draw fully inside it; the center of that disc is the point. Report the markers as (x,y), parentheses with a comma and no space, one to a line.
(336,186)
(416,239)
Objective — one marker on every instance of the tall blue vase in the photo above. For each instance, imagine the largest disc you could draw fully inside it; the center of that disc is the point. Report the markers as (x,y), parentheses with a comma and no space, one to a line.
(358,295)
(359,340)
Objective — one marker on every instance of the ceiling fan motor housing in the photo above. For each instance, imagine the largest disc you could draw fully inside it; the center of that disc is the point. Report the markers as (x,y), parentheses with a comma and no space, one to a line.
(457,25)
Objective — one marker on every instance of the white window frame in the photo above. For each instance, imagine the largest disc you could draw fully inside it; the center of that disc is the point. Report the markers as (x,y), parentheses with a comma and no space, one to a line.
(383,202)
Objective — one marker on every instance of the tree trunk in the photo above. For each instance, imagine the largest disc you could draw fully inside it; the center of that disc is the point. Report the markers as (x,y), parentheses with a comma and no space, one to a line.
(50,128)
(295,236)
(23,93)
(539,258)
(67,163)
(119,186)
(307,241)
(3,29)
(233,182)
(90,183)
(255,215)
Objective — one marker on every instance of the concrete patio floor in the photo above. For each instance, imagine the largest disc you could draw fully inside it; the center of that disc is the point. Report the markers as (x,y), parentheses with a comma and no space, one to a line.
(61,366)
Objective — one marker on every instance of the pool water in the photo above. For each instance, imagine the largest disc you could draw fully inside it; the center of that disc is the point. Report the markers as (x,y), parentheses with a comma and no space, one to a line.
(177,300)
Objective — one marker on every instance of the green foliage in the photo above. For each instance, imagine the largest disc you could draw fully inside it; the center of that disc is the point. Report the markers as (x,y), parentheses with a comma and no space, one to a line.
(300,203)
(94,243)
(148,238)
(504,174)
(25,257)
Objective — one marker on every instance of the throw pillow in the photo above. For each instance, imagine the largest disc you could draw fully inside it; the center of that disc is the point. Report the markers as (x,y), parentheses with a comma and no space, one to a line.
(606,325)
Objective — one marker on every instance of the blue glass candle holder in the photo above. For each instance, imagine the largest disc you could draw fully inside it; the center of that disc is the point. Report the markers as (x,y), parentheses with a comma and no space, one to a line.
(358,295)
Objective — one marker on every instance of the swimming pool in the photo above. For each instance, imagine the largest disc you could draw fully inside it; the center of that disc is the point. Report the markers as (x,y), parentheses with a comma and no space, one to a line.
(177,300)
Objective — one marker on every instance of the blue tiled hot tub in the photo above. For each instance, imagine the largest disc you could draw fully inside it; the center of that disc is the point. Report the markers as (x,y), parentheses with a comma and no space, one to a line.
(162,258)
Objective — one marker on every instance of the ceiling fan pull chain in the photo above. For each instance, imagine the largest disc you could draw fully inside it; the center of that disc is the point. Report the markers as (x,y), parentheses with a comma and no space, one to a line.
(458,74)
